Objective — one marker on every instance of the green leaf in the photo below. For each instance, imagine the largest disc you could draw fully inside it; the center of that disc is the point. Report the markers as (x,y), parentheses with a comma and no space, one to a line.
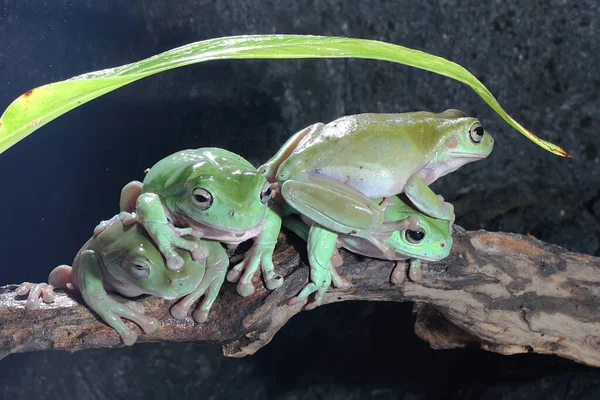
(41,105)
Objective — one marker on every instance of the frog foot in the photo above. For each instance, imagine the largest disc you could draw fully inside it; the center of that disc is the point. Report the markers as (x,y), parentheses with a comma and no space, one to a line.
(112,311)
(209,287)
(259,256)
(415,273)
(398,273)
(126,217)
(168,238)
(321,277)
(336,280)
(339,282)
(449,211)
(36,293)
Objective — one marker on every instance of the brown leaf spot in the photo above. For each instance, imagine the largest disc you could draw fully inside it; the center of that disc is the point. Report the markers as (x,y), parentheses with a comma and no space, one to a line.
(27,93)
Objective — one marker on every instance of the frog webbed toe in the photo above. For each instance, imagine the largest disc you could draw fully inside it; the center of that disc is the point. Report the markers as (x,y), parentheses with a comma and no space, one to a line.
(36,294)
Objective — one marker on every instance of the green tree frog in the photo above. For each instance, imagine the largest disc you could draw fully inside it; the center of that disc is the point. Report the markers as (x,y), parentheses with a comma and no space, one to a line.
(405,235)
(333,173)
(208,193)
(124,259)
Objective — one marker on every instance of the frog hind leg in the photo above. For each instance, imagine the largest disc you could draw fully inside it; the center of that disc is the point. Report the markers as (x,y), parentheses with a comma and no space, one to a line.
(129,196)
(297,226)
(269,169)
(321,246)
(209,287)
(426,200)
(108,307)
(302,229)
(332,203)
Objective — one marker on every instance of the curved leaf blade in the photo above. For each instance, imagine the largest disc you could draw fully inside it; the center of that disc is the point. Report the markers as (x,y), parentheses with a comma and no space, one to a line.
(41,105)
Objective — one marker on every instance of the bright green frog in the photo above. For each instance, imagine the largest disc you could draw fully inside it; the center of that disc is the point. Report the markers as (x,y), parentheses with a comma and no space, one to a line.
(336,174)
(404,235)
(125,260)
(208,193)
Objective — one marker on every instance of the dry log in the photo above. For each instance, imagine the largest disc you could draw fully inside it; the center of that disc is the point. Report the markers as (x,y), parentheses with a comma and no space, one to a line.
(507,293)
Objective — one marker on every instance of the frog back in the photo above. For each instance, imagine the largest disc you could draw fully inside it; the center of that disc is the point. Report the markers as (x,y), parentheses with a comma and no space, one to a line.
(168,176)
(373,153)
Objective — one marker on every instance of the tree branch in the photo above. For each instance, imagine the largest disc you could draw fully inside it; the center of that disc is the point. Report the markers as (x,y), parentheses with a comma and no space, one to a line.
(507,293)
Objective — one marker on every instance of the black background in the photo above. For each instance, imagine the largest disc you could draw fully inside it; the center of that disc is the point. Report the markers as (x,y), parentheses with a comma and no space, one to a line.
(540,59)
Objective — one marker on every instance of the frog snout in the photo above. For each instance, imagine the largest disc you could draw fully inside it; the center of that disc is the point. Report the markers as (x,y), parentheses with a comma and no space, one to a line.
(243,219)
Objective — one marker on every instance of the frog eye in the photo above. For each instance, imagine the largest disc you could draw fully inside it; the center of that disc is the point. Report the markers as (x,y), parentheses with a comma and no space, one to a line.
(140,270)
(415,236)
(476,133)
(266,193)
(202,198)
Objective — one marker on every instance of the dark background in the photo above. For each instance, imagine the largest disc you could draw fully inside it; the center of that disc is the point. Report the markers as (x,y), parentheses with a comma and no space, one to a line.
(540,58)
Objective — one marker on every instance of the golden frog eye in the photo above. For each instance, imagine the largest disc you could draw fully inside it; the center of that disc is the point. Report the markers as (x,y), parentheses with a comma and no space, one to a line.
(476,133)
(202,198)
(415,236)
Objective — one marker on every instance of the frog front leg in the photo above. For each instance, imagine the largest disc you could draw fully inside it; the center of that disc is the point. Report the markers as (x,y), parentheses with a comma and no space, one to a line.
(152,215)
(415,272)
(210,285)
(426,200)
(259,256)
(91,286)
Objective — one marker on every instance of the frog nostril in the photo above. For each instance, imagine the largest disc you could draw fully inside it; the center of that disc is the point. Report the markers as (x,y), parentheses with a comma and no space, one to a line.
(442,245)
(232,214)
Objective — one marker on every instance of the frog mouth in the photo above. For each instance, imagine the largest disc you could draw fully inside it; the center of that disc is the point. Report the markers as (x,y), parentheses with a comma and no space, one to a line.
(425,258)
(219,230)
(469,155)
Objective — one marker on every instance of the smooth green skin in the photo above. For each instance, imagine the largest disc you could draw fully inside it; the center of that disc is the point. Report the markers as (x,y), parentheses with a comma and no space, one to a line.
(389,241)
(166,207)
(112,259)
(331,173)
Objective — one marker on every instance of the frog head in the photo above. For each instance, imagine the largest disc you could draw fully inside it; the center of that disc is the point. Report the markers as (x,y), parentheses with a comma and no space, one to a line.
(211,190)
(135,266)
(458,140)
(430,239)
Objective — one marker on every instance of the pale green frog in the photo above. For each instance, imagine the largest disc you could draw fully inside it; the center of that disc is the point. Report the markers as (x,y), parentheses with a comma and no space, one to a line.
(336,174)
(405,235)
(124,259)
(208,193)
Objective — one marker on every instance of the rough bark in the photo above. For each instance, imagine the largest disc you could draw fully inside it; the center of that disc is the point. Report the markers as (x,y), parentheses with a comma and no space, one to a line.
(506,293)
